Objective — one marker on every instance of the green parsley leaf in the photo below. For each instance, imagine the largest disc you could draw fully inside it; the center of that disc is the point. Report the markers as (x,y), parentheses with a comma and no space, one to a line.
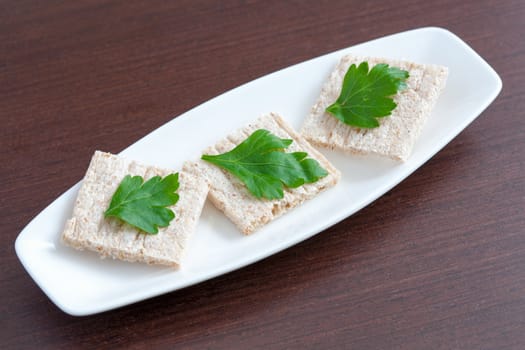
(143,204)
(262,165)
(365,95)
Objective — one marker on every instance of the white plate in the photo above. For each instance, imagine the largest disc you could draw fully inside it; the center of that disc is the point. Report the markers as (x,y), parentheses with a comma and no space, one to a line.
(80,283)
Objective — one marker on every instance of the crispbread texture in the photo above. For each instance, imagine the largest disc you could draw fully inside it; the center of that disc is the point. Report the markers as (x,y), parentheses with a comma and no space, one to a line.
(88,229)
(397,133)
(230,195)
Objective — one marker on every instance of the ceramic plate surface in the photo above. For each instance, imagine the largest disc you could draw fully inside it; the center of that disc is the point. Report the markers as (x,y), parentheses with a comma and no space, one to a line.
(80,283)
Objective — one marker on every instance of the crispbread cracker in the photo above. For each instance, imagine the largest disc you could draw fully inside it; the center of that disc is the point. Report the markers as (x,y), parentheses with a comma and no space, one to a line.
(230,195)
(88,229)
(397,133)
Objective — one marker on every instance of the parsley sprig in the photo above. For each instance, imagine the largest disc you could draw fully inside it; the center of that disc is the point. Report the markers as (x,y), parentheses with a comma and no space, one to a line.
(262,165)
(144,204)
(366,96)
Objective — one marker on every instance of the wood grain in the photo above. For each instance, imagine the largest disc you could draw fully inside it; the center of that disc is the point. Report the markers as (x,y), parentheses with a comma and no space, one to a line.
(437,263)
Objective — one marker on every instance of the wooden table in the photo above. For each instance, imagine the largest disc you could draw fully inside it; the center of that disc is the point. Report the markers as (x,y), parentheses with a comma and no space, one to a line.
(438,262)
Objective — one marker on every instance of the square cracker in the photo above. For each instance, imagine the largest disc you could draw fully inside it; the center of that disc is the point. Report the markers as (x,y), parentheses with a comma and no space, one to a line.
(397,133)
(88,229)
(232,197)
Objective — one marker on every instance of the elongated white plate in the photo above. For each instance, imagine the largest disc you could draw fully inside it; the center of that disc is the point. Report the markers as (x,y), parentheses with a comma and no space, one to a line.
(81,284)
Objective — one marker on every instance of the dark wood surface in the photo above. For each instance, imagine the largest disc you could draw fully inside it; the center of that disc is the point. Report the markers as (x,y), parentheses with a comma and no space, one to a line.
(436,263)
